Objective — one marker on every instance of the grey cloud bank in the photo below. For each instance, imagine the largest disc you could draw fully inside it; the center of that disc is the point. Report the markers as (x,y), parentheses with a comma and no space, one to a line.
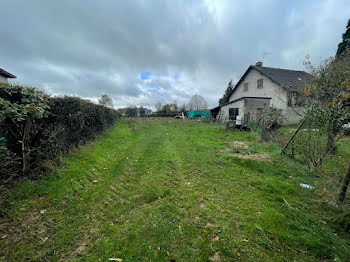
(88,47)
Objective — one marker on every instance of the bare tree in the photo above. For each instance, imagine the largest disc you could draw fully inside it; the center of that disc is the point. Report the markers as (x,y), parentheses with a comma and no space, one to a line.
(106,100)
(197,102)
(158,106)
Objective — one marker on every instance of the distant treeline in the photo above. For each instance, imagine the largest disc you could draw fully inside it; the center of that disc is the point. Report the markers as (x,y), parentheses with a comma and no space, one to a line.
(36,129)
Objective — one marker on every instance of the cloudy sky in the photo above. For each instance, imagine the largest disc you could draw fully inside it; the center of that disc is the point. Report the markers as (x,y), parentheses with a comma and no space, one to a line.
(144,51)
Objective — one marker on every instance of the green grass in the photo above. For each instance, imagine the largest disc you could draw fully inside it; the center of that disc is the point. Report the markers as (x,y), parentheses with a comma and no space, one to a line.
(172,190)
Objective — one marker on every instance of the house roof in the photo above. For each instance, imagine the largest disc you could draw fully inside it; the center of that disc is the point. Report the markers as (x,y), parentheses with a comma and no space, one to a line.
(217,108)
(292,80)
(6,74)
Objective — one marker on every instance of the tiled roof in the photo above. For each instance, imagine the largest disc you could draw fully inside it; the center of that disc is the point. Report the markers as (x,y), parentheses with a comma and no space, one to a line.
(290,79)
(6,74)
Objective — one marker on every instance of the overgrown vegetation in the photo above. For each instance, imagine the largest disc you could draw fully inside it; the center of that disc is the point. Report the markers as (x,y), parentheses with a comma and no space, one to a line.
(167,190)
(268,120)
(327,99)
(35,129)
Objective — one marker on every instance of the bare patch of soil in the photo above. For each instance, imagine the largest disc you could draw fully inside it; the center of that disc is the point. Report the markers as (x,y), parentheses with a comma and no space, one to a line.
(256,156)
(240,144)
(243,150)
(216,257)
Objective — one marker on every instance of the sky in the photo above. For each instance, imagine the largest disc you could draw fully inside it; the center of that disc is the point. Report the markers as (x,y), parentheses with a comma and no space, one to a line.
(141,52)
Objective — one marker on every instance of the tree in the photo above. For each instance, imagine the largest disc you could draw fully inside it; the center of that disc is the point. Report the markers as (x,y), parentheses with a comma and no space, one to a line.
(158,106)
(106,100)
(131,111)
(269,119)
(227,93)
(170,109)
(345,44)
(197,103)
(345,186)
(328,96)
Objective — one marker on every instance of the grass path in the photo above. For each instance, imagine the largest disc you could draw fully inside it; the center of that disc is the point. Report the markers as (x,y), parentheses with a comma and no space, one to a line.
(167,190)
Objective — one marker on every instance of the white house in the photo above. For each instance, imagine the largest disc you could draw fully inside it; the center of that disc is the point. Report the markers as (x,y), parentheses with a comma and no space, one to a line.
(262,87)
(4,75)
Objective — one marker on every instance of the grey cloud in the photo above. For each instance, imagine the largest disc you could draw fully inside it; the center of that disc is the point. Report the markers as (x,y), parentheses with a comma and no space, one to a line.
(87,47)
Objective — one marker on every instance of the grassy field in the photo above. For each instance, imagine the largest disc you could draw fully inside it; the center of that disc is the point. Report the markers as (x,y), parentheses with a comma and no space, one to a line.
(173,190)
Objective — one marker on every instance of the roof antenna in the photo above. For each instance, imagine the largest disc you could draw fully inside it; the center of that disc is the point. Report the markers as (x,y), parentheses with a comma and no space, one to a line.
(266,53)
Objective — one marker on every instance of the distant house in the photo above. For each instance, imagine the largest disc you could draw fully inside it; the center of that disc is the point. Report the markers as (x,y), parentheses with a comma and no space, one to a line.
(141,112)
(4,75)
(262,87)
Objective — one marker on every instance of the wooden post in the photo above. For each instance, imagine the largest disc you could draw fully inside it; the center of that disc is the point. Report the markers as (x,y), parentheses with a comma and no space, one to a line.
(344,187)
(291,139)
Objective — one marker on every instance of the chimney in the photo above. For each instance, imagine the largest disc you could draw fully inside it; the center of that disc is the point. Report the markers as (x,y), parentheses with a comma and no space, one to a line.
(259,64)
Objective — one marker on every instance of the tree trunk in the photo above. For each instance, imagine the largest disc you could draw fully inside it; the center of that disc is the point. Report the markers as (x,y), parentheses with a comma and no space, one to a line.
(25,144)
(345,185)
(330,143)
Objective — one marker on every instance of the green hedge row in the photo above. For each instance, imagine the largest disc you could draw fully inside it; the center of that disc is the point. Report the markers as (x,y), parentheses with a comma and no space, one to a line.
(35,129)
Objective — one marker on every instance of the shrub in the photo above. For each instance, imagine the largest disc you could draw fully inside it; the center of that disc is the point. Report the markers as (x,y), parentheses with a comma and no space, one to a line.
(269,120)
(36,128)
(20,109)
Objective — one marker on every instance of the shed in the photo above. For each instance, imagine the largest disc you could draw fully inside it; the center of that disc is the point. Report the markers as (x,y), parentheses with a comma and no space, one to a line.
(215,111)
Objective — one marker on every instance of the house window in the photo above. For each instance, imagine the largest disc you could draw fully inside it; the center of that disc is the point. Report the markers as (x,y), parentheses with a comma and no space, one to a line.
(245,87)
(260,83)
(233,113)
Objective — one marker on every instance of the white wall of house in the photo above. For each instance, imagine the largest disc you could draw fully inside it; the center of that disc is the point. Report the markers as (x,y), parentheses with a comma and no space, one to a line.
(225,109)
(269,90)
(252,105)
(3,79)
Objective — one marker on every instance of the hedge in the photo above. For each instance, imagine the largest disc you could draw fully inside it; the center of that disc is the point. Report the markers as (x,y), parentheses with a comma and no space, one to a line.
(36,129)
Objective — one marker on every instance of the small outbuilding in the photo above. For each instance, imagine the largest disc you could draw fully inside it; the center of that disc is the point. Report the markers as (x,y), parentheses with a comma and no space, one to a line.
(215,111)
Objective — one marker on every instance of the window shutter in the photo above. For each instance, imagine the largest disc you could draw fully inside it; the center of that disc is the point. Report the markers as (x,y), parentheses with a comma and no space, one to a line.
(245,86)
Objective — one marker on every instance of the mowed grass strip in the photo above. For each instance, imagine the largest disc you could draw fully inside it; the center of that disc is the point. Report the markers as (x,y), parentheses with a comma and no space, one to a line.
(168,190)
